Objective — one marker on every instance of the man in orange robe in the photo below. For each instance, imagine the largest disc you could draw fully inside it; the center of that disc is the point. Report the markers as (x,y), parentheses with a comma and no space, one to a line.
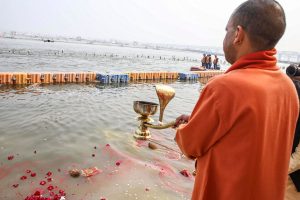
(241,129)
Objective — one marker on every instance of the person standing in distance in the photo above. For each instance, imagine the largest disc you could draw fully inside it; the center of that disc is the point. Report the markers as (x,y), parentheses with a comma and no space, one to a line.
(203,60)
(215,62)
(293,185)
(241,129)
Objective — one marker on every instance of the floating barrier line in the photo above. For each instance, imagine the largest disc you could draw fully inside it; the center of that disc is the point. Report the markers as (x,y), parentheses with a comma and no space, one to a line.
(22,78)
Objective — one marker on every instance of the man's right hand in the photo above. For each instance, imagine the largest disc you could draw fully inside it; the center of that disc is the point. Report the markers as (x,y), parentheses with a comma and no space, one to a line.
(182,119)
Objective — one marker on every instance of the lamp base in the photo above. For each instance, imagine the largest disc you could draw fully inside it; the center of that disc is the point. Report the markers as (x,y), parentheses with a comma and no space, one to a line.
(142,135)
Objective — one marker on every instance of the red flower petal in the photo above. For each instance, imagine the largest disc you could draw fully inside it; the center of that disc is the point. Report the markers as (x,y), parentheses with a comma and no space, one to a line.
(50,187)
(118,163)
(10,157)
(185,173)
(61,192)
(42,182)
(37,193)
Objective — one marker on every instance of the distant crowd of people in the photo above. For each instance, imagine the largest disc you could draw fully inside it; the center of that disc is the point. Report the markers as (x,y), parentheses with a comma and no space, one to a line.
(207,62)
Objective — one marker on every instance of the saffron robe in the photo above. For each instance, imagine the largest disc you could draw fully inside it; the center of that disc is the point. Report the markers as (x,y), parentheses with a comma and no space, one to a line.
(241,132)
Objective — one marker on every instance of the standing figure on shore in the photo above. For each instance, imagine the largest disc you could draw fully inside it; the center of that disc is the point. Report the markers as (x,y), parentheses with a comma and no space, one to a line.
(241,130)
(203,60)
(208,61)
(215,62)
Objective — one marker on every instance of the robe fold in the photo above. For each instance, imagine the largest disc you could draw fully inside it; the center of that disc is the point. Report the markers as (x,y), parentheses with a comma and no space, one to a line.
(241,132)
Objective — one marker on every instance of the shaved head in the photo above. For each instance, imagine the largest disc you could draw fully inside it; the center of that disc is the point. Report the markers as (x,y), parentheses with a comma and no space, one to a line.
(263,21)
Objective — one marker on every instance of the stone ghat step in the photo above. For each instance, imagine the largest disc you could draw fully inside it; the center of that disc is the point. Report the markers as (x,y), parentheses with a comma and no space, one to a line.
(21,78)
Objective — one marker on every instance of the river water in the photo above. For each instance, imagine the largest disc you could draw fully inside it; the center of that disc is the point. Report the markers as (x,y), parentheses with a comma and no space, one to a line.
(35,56)
(56,128)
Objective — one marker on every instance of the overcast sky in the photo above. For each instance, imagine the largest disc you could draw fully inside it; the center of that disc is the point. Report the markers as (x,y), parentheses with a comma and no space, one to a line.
(188,22)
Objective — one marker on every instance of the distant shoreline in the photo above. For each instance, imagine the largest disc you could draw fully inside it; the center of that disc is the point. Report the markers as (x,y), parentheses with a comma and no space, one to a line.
(283,57)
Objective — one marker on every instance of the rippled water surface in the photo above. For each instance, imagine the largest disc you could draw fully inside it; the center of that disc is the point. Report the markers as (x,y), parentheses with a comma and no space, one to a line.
(59,127)
(55,128)
(28,56)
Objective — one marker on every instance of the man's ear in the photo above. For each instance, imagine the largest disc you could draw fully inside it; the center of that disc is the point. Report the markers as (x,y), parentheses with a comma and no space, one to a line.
(239,35)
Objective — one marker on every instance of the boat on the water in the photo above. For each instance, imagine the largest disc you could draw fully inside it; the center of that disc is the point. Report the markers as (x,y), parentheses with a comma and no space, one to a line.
(48,40)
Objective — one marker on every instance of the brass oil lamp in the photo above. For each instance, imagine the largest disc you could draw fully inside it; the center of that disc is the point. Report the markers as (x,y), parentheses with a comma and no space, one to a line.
(146,109)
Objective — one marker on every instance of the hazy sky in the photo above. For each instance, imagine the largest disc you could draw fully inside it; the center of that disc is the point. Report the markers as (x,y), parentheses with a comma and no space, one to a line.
(189,22)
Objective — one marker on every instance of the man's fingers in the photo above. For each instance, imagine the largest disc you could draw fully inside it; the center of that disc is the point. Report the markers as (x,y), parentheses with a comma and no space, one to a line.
(178,122)
(182,119)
